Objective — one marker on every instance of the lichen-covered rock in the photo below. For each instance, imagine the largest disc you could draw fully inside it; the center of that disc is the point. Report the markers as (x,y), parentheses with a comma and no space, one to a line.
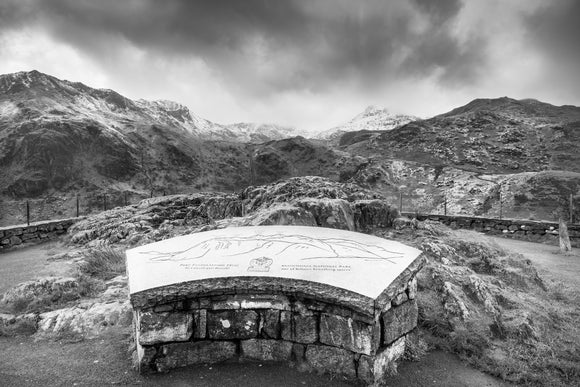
(346,333)
(331,213)
(331,360)
(53,287)
(270,324)
(299,327)
(399,320)
(376,369)
(266,350)
(86,321)
(232,324)
(197,352)
(156,328)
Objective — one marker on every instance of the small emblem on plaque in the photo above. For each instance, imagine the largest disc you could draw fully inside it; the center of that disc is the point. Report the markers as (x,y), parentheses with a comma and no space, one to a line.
(261,264)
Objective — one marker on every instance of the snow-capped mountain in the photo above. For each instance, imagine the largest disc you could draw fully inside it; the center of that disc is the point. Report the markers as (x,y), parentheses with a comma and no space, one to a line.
(45,97)
(372,118)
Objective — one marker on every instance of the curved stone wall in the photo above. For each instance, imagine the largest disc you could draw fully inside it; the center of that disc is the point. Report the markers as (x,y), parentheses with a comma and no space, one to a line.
(300,330)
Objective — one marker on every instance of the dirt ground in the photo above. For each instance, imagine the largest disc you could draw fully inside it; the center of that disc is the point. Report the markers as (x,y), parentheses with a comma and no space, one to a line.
(105,361)
(552,266)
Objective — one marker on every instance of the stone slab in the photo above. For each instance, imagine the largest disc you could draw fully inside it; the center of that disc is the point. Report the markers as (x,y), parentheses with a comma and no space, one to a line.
(356,262)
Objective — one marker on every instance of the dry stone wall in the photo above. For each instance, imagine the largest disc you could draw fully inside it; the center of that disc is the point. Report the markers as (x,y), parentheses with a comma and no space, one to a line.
(306,332)
(530,230)
(34,233)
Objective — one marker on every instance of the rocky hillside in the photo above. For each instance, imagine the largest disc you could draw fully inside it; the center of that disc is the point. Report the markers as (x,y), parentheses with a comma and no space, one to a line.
(491,156)
(58,136)
(493,135)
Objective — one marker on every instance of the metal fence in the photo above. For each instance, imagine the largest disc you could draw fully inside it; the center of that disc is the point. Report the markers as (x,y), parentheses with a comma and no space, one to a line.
(73,205)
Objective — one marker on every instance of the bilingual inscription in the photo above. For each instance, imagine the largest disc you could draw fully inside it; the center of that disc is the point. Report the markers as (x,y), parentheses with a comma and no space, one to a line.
(357,262)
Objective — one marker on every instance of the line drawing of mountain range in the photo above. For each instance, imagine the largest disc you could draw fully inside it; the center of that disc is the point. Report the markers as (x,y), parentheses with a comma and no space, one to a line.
(279,245)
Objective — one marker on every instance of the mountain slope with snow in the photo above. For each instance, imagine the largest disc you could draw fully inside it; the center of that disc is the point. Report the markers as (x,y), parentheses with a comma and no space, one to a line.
(372,119)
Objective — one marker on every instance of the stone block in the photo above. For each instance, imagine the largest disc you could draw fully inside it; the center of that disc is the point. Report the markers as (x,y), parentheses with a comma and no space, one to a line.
(5,242)
(376,369)
(199,323)
(299,327)
(298,351)
(156,328)
(412,289)
(331,360)
(196,352)
(17,231)
(270,324)
(29,236)
(143,358)
(232,324)
(252,301)
(346,333)
(398,321)
(14,240)
(266,350)
(399,299)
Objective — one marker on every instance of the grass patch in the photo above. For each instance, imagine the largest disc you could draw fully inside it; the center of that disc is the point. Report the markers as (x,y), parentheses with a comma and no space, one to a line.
(104,263)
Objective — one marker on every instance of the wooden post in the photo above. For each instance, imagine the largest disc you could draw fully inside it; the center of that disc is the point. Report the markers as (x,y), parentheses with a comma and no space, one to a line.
(77,205)
(400,201)
(151,194)
(571,210)
(445,204)
(500,204)
(104,202)
(27,213)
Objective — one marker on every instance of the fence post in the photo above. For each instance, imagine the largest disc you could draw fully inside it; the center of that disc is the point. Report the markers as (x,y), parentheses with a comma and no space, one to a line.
(27,213)
(445,204)
(77,205)
(104,202)
(151,194)
(571,210)
(400,202)
(500,203)
(125,198)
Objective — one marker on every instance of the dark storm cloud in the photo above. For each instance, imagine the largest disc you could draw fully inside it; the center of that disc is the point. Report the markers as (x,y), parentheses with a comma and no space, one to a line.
(554,30)
(271,46)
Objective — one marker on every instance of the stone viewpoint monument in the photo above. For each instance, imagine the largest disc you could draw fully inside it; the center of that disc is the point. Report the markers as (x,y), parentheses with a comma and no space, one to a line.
(323,299)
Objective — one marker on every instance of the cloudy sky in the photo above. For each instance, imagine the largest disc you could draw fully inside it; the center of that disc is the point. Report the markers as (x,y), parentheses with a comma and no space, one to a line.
(312,64)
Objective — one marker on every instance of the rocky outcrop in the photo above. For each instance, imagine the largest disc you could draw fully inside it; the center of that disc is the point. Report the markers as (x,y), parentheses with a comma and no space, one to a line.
(309,200)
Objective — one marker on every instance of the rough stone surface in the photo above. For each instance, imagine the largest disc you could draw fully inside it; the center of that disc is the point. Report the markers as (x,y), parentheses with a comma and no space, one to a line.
(399,320)
(232,324)
(270,324)
(199,323)
(157,328)
(346,333)
(87,321)
(412,289)
(266,350)
(189,353)
(400,298)
(376,369)
(34,233)
(298,327)
(331,360)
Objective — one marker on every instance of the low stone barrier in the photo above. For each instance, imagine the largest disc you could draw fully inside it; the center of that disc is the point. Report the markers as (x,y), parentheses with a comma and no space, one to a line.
(34,233)
(530,230)
(275,311)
